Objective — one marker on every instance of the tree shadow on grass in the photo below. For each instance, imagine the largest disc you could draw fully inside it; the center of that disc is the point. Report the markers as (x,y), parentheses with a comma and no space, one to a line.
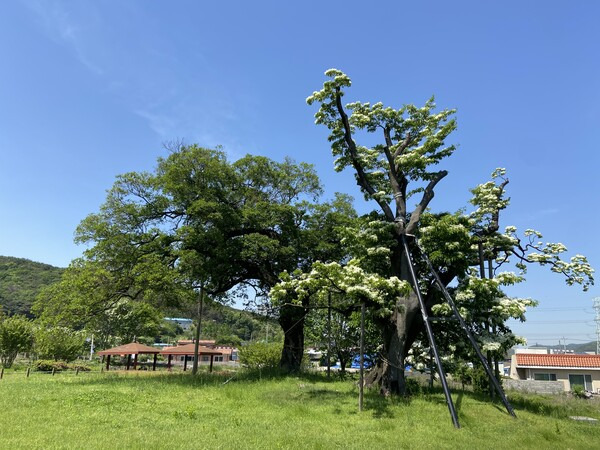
(202,378)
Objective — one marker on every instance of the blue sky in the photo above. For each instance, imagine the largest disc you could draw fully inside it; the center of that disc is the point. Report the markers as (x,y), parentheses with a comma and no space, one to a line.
(91,89)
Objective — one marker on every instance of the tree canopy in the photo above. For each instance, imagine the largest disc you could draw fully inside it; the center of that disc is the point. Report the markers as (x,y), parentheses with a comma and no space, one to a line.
(403,164)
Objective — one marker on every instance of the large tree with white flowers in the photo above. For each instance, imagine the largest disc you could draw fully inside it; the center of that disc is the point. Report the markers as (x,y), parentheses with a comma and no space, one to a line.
(399,175)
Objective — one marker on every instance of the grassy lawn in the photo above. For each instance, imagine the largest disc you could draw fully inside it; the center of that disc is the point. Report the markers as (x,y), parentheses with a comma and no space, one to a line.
(135,410)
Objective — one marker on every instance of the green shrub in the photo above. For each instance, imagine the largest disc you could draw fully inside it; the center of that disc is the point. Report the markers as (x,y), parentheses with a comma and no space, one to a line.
(80,366)
(261,355)
(578,391)
(464,374)
(46,365)
(413,387)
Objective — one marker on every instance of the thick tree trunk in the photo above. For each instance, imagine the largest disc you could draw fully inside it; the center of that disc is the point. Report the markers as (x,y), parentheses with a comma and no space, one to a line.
(397,335)
(197,336)
(291,319)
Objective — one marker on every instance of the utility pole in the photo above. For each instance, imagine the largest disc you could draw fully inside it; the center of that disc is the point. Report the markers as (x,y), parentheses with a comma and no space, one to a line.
(597,308)
(92,348)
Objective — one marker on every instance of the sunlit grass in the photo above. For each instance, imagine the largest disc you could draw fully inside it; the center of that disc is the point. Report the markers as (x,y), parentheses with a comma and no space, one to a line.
(158,410)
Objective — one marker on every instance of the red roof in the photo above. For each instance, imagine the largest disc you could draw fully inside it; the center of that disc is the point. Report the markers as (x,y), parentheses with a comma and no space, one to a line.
(541,360)
(189,350)
(135,348)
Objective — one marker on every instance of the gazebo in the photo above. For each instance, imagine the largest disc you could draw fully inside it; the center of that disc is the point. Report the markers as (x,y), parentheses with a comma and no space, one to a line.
(187,350)
(135,349)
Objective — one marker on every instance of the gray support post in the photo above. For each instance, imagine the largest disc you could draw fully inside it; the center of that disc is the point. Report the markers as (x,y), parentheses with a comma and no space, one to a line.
(361,387)
(472,340)
(429,330)
(329,335)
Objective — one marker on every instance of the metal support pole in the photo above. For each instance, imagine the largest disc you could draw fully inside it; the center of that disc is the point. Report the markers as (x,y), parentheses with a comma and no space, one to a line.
(472,340)
(361,381)
(329,335)
(429,330)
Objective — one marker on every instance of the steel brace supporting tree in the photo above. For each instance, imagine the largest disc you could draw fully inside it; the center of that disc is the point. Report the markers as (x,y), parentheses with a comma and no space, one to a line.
(463,325)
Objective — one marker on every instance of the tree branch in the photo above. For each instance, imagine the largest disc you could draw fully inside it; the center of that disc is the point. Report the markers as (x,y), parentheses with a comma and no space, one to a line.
(362,178)
(427,197)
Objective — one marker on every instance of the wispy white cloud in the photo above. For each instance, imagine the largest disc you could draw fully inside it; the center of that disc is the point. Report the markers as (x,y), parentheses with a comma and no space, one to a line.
(146,73)
(58,23)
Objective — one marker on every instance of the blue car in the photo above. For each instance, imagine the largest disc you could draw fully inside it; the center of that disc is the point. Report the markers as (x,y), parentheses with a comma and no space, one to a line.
(368,363)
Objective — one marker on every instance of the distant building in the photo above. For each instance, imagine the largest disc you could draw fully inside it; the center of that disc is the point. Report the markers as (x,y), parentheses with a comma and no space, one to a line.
(186,324)
(570,369)
(229,354)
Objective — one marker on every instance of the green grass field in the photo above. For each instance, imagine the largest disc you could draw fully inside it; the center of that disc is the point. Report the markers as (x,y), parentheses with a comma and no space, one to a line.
(145,410)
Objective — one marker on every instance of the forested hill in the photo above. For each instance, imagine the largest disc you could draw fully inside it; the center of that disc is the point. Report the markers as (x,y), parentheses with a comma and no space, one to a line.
(20,282)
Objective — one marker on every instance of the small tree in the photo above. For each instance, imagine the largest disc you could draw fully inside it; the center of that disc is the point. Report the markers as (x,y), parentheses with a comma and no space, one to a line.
(16,336)
(58,343)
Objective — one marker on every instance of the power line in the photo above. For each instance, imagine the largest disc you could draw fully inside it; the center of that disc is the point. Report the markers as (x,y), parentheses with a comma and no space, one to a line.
(597,308)
(589,322)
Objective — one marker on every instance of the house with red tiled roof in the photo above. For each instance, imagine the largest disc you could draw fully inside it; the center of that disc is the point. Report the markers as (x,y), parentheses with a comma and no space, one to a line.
(227,354)
(571,369)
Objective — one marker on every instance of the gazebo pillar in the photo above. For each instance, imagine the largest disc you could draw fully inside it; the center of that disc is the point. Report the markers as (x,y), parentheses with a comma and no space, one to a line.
(154,363)
(135,361)
(107,362)
(212,357)
(128,360)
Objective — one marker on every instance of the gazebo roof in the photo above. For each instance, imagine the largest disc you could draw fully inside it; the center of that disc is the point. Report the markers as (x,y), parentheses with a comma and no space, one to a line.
(188,349)
(134,348)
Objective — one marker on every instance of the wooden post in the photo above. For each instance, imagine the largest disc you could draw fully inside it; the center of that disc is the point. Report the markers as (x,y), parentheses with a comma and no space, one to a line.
(107,363)
(169,362)
(154,363)
(53,370)
(362,357)
(28,369)
(135,357)
(185,362)
(212,357)
(77,371)
(128,361)
(1,373)
(198,330)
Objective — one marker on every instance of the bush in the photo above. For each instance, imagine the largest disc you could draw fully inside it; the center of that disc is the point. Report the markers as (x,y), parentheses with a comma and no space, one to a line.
(46,365)
(59,343)
(81,367)
(413,387)
(260,355)
(578,391)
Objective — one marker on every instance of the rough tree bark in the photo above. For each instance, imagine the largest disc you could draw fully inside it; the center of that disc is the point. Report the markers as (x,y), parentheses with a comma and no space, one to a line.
(291,319)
